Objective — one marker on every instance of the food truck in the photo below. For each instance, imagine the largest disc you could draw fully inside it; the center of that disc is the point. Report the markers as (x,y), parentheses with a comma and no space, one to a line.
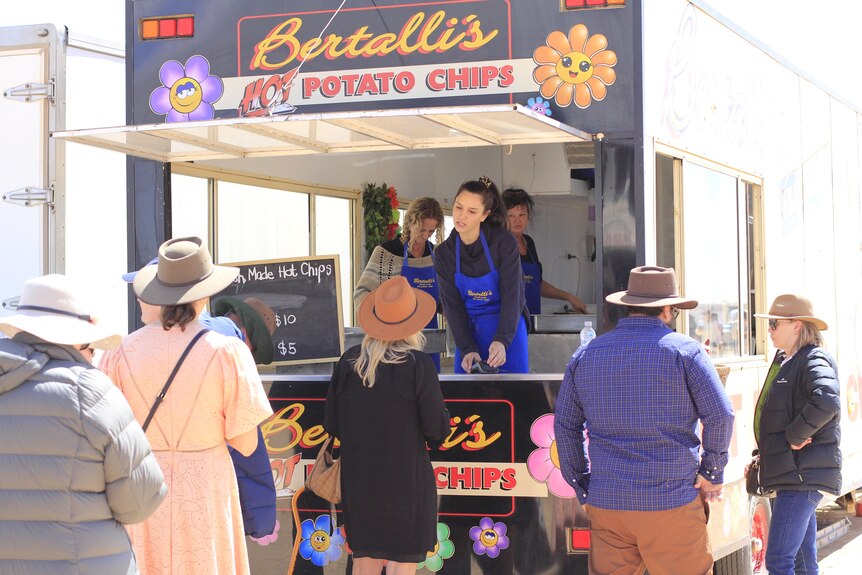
(648,133)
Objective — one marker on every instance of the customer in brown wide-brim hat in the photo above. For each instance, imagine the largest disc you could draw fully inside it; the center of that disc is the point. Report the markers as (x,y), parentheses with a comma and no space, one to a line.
(652,286)
(792,306)
(395,310)
(185,273)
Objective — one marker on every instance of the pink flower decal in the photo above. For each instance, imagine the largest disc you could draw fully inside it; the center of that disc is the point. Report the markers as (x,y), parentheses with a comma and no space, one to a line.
(268,539)
(489,538)
(187,92)
(544,463)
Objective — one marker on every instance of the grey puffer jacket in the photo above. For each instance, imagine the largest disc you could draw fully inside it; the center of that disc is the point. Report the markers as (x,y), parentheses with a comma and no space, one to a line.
(74,465)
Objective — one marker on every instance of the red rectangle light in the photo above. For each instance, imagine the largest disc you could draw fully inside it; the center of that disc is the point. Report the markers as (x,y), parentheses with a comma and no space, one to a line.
(186,26)
(581,539)
(167,28)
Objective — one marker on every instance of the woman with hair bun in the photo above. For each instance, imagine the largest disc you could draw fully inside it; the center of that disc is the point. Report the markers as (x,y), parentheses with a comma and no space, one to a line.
(481,284)
(519,207)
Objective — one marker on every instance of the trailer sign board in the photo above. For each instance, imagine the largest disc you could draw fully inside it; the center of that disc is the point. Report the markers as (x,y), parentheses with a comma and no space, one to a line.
(309,57)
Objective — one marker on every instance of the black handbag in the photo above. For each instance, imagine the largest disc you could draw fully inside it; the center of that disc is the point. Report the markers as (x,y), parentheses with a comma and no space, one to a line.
(752,478)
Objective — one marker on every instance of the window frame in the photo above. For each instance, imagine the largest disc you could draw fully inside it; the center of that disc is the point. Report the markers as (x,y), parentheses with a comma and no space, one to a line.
(750,241)
(213,175)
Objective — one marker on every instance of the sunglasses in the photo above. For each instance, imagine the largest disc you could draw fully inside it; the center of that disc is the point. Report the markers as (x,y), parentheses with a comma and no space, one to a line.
(675,312)
(773,323)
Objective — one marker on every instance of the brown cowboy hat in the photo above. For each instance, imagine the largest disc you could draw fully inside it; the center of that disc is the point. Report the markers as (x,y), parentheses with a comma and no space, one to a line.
(185,273)
(792,306)
(395,310)
(652,286)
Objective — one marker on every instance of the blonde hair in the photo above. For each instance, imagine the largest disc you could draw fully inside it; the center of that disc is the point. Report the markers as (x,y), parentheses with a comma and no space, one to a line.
(374,352)
(809,334)
(422,209)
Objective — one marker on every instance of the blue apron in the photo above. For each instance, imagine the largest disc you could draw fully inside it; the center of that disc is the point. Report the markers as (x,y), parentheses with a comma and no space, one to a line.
(481,296)
(426,280)
(532,286)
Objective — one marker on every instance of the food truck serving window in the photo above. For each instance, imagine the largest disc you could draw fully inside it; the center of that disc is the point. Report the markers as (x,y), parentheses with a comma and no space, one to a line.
(247,218)
(708,224)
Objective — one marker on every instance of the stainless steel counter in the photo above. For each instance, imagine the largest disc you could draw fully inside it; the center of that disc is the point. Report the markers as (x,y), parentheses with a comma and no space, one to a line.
(550,352)
(561,322)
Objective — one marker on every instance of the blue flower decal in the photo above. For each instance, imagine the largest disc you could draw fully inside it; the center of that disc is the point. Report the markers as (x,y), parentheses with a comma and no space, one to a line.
(540,105)
(187,92)
(319,544)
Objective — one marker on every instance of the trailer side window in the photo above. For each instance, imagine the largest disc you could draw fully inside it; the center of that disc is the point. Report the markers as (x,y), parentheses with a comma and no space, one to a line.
(709,233)
(250,219)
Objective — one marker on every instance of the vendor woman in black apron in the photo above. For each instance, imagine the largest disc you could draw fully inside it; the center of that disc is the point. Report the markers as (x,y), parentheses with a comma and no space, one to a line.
(481,284)
(519,206)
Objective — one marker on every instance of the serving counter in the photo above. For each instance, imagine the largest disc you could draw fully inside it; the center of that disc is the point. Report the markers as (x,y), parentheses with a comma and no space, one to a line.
(498,463)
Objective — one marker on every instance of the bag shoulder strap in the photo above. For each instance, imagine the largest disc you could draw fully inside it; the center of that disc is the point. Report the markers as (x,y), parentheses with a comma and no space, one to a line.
(161,396)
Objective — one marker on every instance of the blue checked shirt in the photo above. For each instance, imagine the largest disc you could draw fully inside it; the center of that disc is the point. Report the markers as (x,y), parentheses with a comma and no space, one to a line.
(639,391)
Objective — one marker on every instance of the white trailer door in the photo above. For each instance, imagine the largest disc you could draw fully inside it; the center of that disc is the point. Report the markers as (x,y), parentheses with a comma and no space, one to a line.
(25,226)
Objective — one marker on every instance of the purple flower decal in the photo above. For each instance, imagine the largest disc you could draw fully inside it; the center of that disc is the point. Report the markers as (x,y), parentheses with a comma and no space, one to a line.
(538,104)
(187,93)
(489,538)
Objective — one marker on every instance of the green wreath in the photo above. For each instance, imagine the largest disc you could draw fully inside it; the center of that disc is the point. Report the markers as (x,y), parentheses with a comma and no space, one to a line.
(380,204)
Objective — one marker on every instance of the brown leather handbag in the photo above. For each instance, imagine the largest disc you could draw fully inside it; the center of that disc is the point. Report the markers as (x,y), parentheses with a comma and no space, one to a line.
(325,477)
(752,478)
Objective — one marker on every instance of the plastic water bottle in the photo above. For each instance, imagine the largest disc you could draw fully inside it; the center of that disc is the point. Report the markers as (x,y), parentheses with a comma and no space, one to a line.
(588,334)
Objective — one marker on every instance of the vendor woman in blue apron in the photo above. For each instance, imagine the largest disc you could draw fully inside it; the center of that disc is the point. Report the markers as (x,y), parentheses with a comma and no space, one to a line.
(408,255)
(481,284)
(519,206)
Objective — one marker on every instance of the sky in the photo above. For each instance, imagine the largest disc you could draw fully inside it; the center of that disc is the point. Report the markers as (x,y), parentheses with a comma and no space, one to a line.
(819,37)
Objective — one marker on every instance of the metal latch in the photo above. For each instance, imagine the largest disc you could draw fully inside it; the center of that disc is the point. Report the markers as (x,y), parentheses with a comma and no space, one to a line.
(30,91)
(30,196)
(11,304)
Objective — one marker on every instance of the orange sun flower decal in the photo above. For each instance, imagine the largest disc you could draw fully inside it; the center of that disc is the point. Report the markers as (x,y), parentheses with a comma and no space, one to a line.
(575,67)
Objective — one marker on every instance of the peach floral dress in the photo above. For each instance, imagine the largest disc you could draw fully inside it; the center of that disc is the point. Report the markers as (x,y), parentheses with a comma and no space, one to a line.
(217,394)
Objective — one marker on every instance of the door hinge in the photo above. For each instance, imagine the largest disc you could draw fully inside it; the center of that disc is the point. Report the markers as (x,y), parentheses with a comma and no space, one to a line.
(30,196)
(11,304)
(31,91)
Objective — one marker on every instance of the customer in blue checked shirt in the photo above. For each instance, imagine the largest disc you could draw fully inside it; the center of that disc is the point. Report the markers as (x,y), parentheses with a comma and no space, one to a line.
(640,390)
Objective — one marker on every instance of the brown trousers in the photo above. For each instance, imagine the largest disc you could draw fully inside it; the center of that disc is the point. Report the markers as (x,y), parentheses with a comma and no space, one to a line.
(671,542)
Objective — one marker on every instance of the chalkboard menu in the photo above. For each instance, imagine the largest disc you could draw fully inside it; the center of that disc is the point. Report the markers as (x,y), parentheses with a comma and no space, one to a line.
(305,295)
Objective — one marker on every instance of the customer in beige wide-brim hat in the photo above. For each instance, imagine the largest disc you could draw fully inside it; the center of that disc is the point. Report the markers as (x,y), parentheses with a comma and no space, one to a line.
(185,273)
(216,397)
(792,306)
(797,430)
(56,308)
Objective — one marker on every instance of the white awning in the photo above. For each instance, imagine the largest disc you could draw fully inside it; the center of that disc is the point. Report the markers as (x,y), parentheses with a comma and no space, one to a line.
(332,132)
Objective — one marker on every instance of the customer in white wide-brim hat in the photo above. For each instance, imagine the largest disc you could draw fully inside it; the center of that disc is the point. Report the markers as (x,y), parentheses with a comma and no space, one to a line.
(75,463)
(215,399)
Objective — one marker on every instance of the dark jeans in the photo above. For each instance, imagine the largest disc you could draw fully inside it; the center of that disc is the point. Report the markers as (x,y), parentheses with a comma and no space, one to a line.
(791,549)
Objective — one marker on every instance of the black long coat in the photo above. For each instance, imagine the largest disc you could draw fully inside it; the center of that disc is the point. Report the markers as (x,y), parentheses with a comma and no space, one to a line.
(802,402)
(389,495)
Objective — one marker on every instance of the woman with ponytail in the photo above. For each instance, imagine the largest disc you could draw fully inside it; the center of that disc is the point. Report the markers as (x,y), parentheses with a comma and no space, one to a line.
(481,283)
